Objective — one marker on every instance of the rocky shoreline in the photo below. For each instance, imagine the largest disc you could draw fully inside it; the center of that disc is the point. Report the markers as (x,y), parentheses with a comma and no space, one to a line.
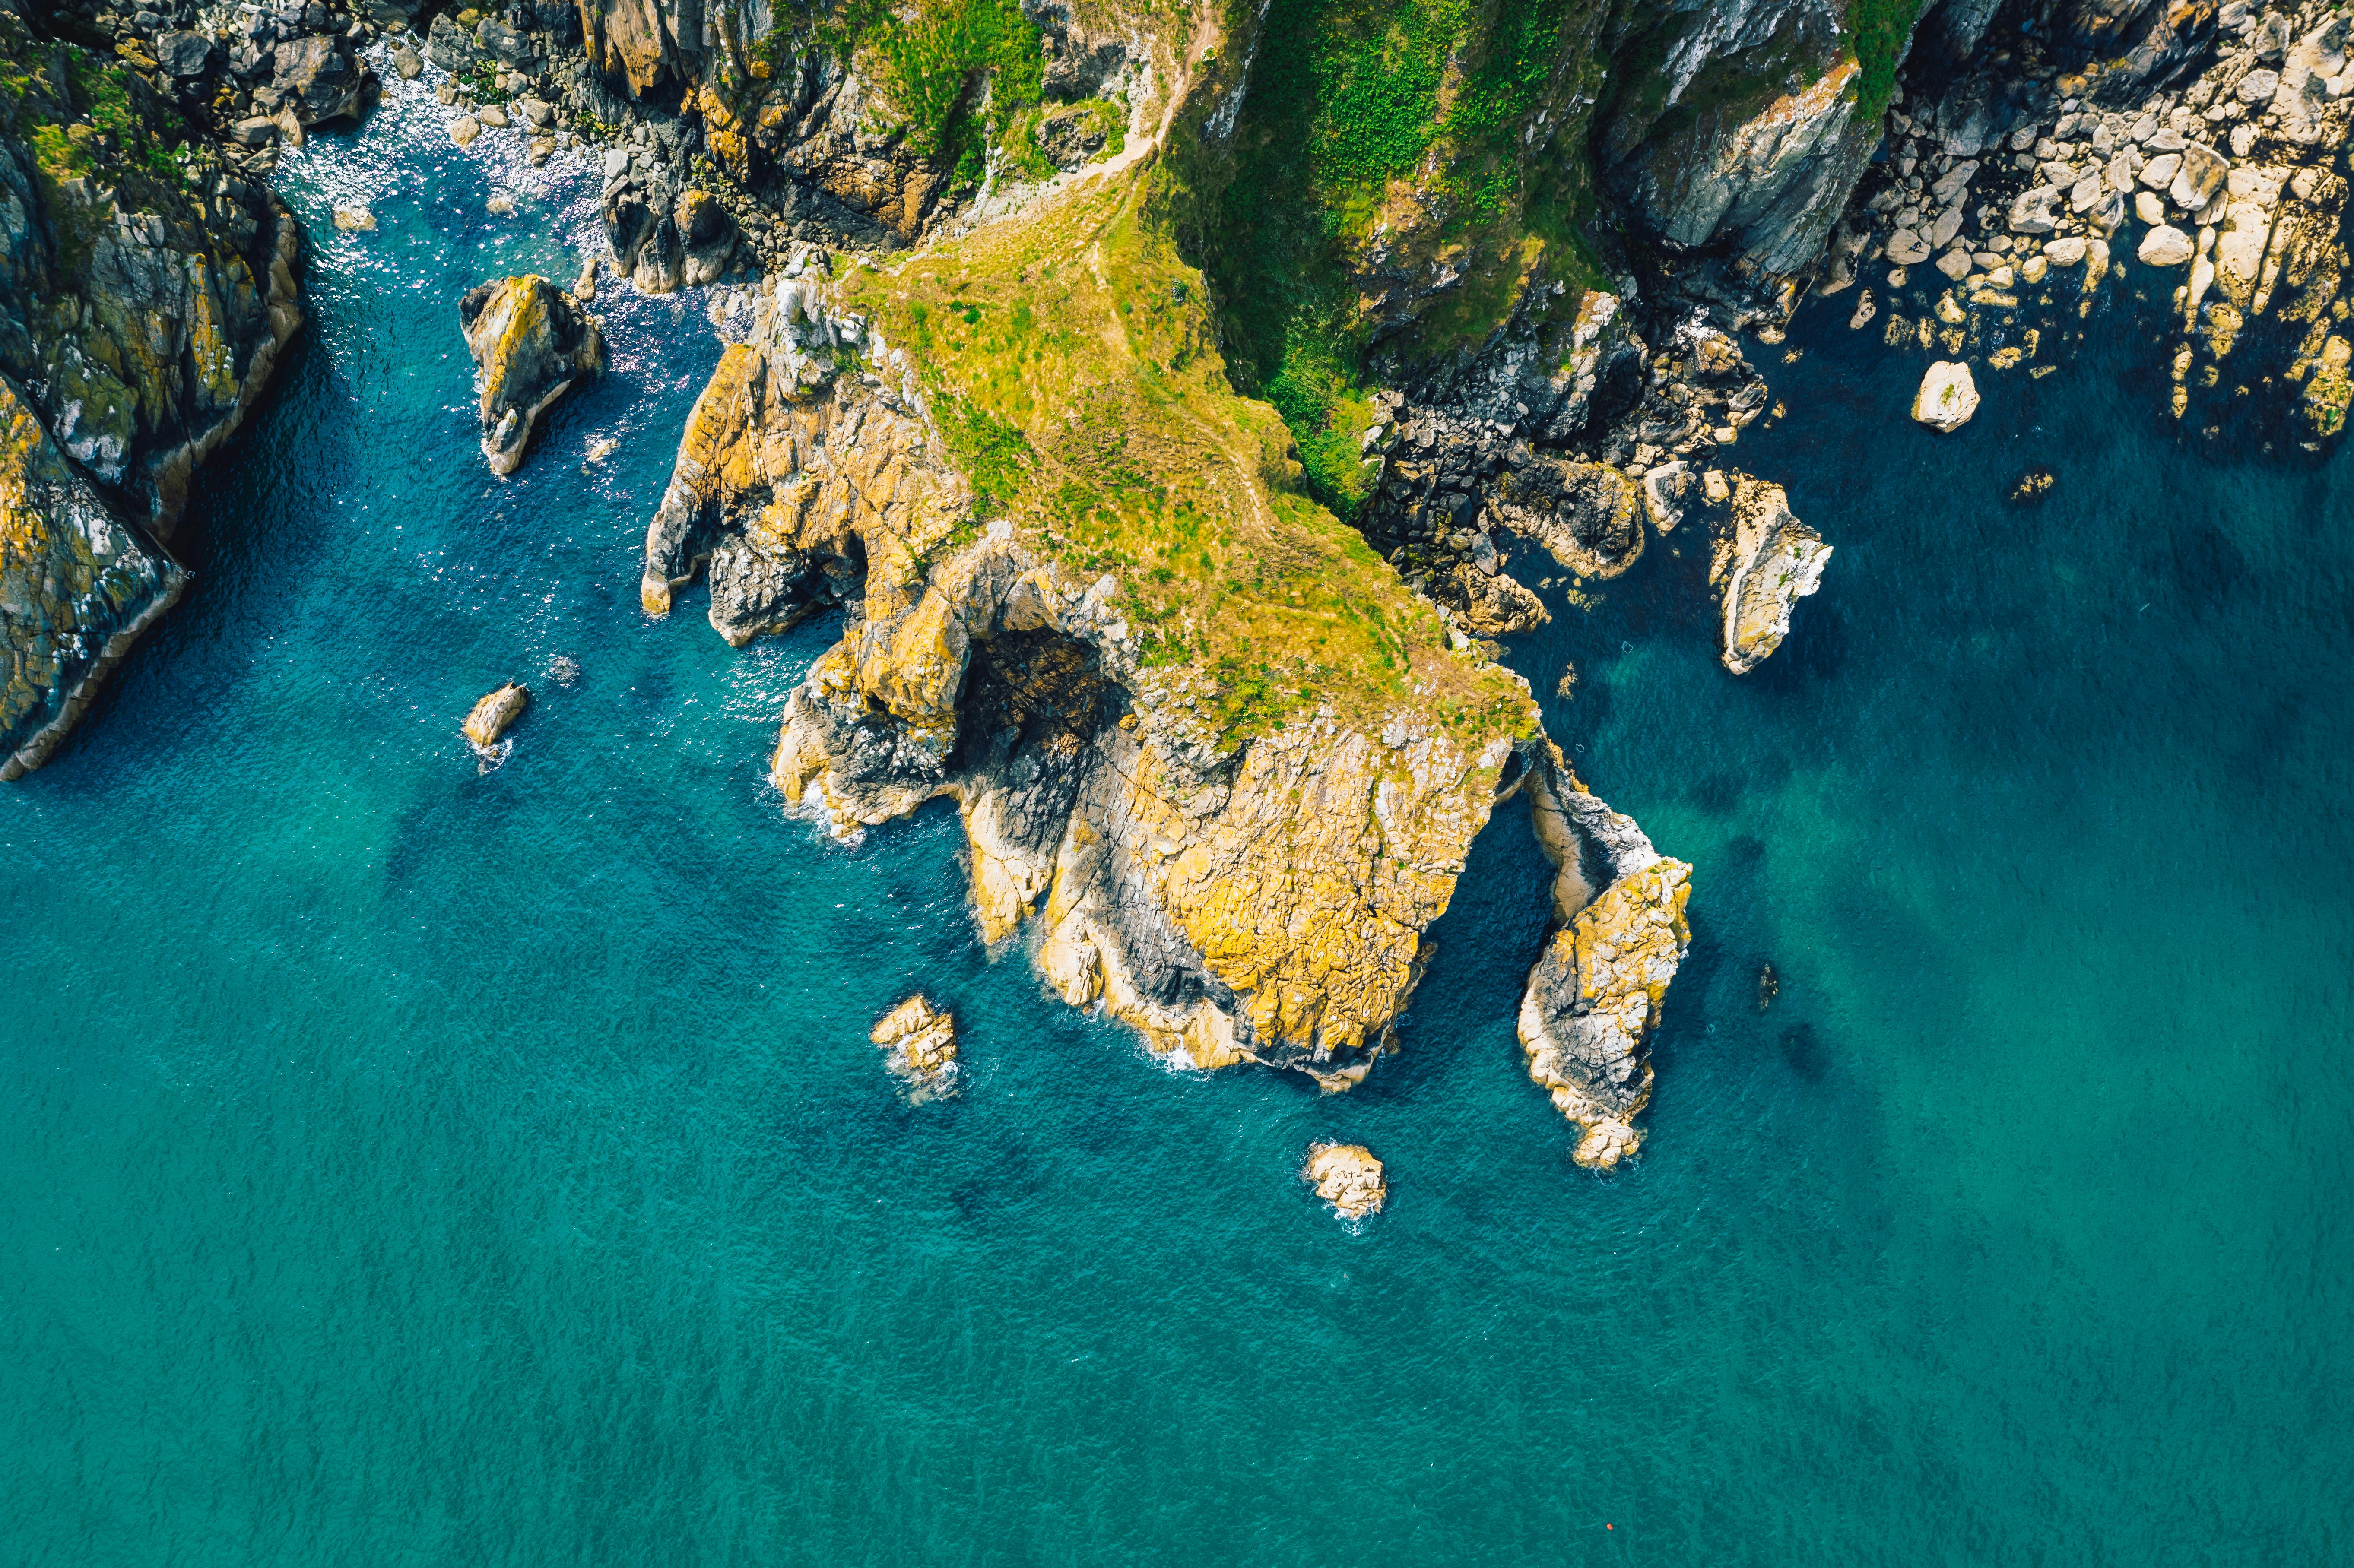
(1239,864)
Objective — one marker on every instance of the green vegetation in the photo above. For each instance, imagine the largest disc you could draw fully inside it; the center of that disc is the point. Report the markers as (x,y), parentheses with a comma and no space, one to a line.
(1878,29)
(936,61)
(1474,104)
(90,122)
(1073,372)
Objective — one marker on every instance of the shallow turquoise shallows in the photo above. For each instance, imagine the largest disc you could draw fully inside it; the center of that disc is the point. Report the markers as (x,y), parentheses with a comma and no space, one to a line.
(405,1164)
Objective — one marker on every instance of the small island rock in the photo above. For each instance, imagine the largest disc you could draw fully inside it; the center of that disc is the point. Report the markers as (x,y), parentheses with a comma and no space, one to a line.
(491,715)
(1948,397)
(921,1040)
(1348,1177)
(531,340)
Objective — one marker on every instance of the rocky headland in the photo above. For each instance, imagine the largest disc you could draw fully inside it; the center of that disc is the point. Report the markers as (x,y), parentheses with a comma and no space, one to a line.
(1167,432)
(146,288)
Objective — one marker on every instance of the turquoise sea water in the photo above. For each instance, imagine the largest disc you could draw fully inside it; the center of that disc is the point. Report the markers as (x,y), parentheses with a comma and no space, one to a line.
(405,1164)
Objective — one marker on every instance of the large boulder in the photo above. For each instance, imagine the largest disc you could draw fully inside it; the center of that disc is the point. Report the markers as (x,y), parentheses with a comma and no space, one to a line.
(1948,397)
(321,80)
(2166,246)
(530,341)
(183,54)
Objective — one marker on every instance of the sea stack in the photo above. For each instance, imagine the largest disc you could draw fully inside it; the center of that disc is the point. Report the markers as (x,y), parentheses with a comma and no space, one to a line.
(530,341)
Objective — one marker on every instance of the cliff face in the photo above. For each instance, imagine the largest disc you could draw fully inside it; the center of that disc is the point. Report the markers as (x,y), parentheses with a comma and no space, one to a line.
(1236,896)
(145,291)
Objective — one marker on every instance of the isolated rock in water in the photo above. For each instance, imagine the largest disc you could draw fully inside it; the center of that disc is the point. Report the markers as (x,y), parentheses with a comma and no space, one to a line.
(1348,1177)
(2032,487)
(1594,998)
(2166,246)
(491,715)
(1765,561)
(531,341)
(1948,397)
(76,589)
(921,1040)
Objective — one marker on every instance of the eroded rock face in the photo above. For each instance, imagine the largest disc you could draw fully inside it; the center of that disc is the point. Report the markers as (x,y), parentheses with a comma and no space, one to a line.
(530,341)
(1347,1177)
(1256,900)
(1760,173)
(661,242)
(75,587)
(1592,1001)
(140,315)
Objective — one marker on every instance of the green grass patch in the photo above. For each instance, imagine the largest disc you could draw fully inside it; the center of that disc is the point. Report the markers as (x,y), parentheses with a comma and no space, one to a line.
(1879,31)
(1075,376)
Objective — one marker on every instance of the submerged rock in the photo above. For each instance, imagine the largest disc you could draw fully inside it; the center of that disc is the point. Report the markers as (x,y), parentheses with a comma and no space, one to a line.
(2032,487)
(922,1046)
(531,341)
(1347,1177)
(1948,397)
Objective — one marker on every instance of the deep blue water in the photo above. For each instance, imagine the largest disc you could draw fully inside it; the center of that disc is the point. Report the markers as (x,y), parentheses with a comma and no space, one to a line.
(405,1164)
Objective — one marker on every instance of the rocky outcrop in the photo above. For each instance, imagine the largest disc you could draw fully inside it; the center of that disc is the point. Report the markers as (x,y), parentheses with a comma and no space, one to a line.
(1233,898)
(76,587)
(1593,1000)
(1348,1178)
(1763,561)
(1741,135)
(1948,397)
(920,1044)
(140,315)
(530,341)
(2195,139)
(489,718)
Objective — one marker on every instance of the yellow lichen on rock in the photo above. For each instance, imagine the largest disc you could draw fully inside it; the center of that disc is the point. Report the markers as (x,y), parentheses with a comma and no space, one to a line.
(1594,997)
(1347,1177)
(530,341)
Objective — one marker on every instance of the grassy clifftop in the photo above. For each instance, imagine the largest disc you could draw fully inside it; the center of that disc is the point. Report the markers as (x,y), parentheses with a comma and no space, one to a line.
(1071,364)
(1391,164)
